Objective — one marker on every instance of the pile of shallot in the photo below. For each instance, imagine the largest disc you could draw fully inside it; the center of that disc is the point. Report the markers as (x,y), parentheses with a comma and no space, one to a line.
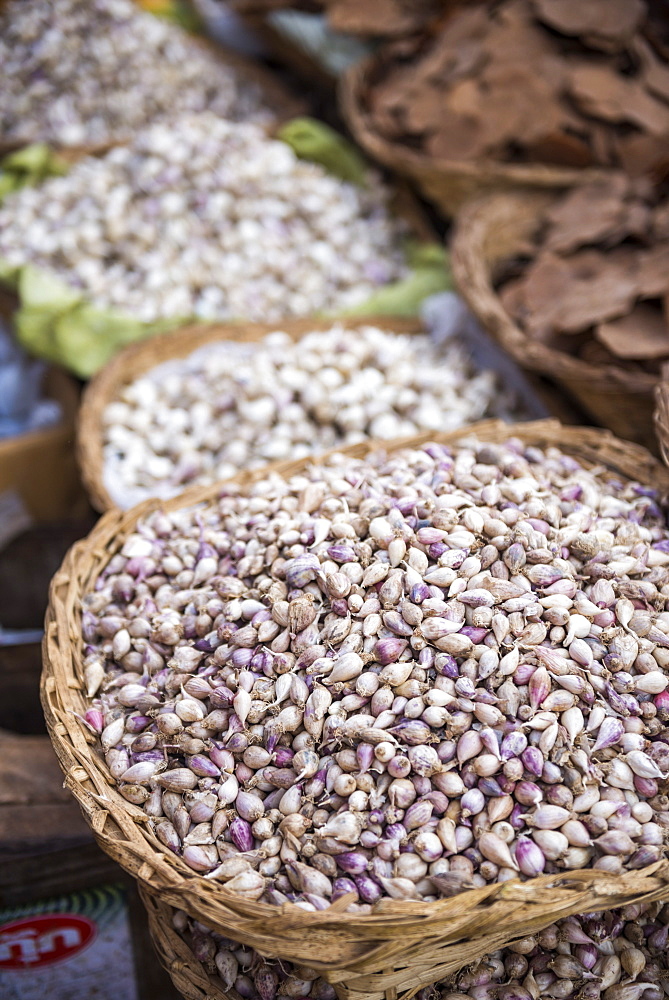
(400,677)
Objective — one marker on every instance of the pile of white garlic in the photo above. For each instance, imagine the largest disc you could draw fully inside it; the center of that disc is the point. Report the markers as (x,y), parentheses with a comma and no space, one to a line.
(239,405)
(209,219)
(92,72)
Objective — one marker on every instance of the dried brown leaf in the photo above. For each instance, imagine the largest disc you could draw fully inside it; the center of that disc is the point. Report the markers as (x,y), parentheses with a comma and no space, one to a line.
(641,335)
(645,154)
(587,214)
(599,91)
(512,297)
(569,295)
(612,22)
(460,138)
(425,110)
(560,148)
(656,79)
(660,221)
(653,269)
(514,111)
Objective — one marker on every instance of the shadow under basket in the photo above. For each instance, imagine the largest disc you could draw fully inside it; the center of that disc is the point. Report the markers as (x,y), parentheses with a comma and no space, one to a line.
(494,229)
(403,945)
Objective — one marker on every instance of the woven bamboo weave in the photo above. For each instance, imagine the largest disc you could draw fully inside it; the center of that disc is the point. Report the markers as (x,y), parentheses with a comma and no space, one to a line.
(447,183)
(662,413)
(494,229)
(403,945)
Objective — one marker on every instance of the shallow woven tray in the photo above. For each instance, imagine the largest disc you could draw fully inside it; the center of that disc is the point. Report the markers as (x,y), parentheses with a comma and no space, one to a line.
(139,358)
(403,945)
(494,229)
(447,183)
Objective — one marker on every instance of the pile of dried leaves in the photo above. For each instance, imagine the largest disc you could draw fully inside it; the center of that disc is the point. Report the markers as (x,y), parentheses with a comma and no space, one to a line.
(569,82)
(381,18)
(595,282)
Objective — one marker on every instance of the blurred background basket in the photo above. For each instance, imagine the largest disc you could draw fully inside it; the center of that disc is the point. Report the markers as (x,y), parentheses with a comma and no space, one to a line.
(275,93)
(139,358)
(492,230)
(446,183)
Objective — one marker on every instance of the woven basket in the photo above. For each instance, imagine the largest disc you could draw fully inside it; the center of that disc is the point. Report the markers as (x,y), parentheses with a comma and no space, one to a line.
(188,974)
(136,359)
(403,945)
(662,413)
(447,183)
(495,228)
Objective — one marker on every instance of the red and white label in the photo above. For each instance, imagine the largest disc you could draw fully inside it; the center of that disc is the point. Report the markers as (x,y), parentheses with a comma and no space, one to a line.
(38,941)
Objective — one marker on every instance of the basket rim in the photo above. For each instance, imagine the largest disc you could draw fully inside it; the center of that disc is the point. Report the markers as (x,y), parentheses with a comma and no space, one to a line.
(419,165)
(472,273)
(142,356)
(338,943)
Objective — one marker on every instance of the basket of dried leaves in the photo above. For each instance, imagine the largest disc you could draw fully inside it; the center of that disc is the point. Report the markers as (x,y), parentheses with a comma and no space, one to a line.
(382,712)
(576,287)
(518,92)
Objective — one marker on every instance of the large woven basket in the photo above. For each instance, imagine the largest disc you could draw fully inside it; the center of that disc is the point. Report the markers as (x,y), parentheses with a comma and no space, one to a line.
(139,358)
(447,183)
(403,945)
(494,229)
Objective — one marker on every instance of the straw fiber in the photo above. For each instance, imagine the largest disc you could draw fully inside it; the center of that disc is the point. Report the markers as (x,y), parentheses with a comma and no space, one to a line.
(402,945)
(495,229)
(447,183)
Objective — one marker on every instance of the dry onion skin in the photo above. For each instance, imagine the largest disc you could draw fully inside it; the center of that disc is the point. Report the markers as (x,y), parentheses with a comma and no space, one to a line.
(209,219)
(594,281)
(614,955)
(93,72)
(397,677)
(232,405)
(550,81)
